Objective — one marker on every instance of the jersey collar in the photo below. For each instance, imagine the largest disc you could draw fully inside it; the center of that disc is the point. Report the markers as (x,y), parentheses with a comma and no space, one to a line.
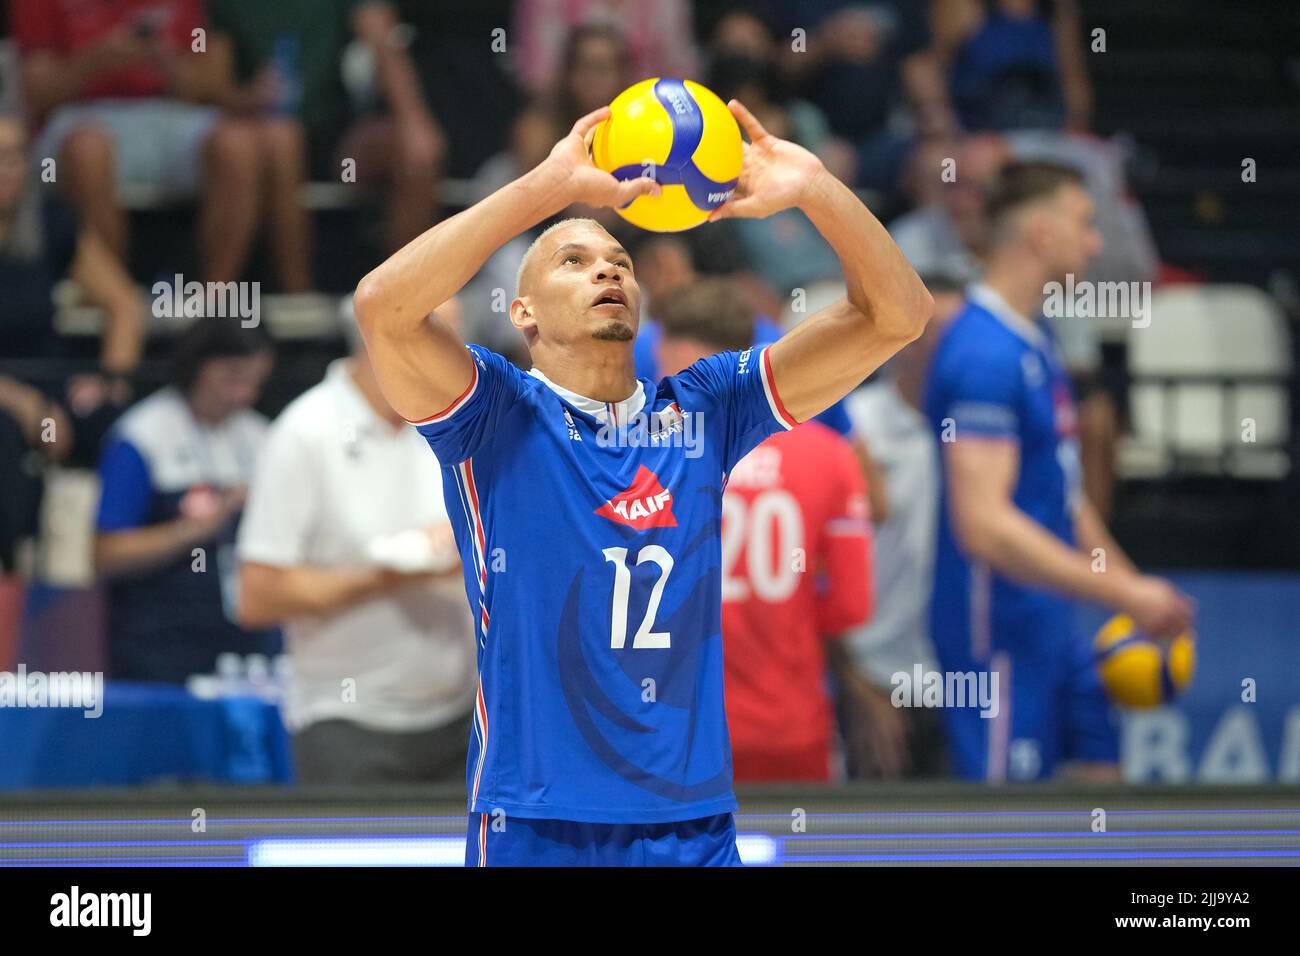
(604,412)
(991,302)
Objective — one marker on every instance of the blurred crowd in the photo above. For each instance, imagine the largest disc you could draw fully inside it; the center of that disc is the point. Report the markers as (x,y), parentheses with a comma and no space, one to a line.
(233,105)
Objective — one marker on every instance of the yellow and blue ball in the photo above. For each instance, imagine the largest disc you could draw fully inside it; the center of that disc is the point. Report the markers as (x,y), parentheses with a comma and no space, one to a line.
(680,134)
(1139,671)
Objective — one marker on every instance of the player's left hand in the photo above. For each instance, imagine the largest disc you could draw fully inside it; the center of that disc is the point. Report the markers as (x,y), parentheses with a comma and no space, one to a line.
(774,175)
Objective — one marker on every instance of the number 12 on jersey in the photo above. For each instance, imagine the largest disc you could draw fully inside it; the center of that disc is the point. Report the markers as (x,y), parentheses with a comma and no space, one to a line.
(644,636)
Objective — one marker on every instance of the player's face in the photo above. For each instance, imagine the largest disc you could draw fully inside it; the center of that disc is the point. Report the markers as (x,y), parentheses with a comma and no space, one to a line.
(229,384)
(596,76)
(1074,239)
(585,289)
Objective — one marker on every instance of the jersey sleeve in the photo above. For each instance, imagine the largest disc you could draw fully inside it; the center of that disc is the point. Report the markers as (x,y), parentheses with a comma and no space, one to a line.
(847,593)
(125,488)
(464,426)
(982,394)
(766,331)
(281,503)
(737,387)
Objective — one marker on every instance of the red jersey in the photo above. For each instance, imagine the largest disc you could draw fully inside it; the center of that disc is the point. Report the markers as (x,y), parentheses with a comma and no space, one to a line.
(70,26)
(796,547)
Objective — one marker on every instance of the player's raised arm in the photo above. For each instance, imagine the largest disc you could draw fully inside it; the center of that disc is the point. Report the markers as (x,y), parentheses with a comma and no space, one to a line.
(421,363)
(887,306)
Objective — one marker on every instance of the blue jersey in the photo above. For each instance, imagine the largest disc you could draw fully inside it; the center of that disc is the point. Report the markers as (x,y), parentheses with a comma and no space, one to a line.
(590,536)
(998,375)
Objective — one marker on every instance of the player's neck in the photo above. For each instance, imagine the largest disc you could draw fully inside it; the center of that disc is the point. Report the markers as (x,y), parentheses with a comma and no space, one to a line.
(1021,287)
(606,374)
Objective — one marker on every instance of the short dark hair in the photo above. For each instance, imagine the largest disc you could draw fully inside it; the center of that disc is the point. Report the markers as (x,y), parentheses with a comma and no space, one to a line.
(940,283)
(212,337)
(1020,183)
(712,311)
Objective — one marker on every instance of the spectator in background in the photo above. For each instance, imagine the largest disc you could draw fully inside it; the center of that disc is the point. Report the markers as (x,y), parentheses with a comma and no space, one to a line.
(883,741)
(41,244)
(863,60)
(448,51)
(125,100)
(593,70)
(660,37)
(769,258)
(174,475)
(343,541)
(945,234)
(1014,64)
(796,547)
(743,56)
(288,60)
(34,431)
(781,252)
(31,427)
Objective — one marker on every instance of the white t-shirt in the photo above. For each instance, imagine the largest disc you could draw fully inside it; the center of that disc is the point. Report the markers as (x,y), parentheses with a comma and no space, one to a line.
(332,477)
(898,635)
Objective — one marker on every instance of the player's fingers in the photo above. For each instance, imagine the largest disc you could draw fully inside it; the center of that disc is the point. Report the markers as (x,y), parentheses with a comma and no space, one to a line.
(904,752)
(1175,622)
(877,750)
(640,186)
(587,124)
(748,121)
(743,207)
(890,763)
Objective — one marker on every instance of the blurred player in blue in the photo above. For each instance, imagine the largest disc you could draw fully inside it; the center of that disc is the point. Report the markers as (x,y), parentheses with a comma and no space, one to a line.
(587,503)
(1018,541)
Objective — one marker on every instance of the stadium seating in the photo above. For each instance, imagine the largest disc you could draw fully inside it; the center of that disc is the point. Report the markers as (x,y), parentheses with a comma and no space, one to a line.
(1209,385)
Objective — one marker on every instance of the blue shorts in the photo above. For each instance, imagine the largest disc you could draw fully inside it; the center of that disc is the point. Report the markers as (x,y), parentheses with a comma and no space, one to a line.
(1052,709)
(501,841)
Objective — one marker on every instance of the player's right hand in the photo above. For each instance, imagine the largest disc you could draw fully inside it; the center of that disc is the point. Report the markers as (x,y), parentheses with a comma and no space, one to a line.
(876,733)
(1158,608)
(586,184)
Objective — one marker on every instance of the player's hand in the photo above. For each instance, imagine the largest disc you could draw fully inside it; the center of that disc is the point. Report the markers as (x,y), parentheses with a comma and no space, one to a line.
(876,734)
(205,512)
(583,182)
(774,175)
(1158,608)
(390,579)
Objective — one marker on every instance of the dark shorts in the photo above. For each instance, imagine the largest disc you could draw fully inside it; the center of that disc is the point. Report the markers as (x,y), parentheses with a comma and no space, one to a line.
(495,840)
(341,752)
